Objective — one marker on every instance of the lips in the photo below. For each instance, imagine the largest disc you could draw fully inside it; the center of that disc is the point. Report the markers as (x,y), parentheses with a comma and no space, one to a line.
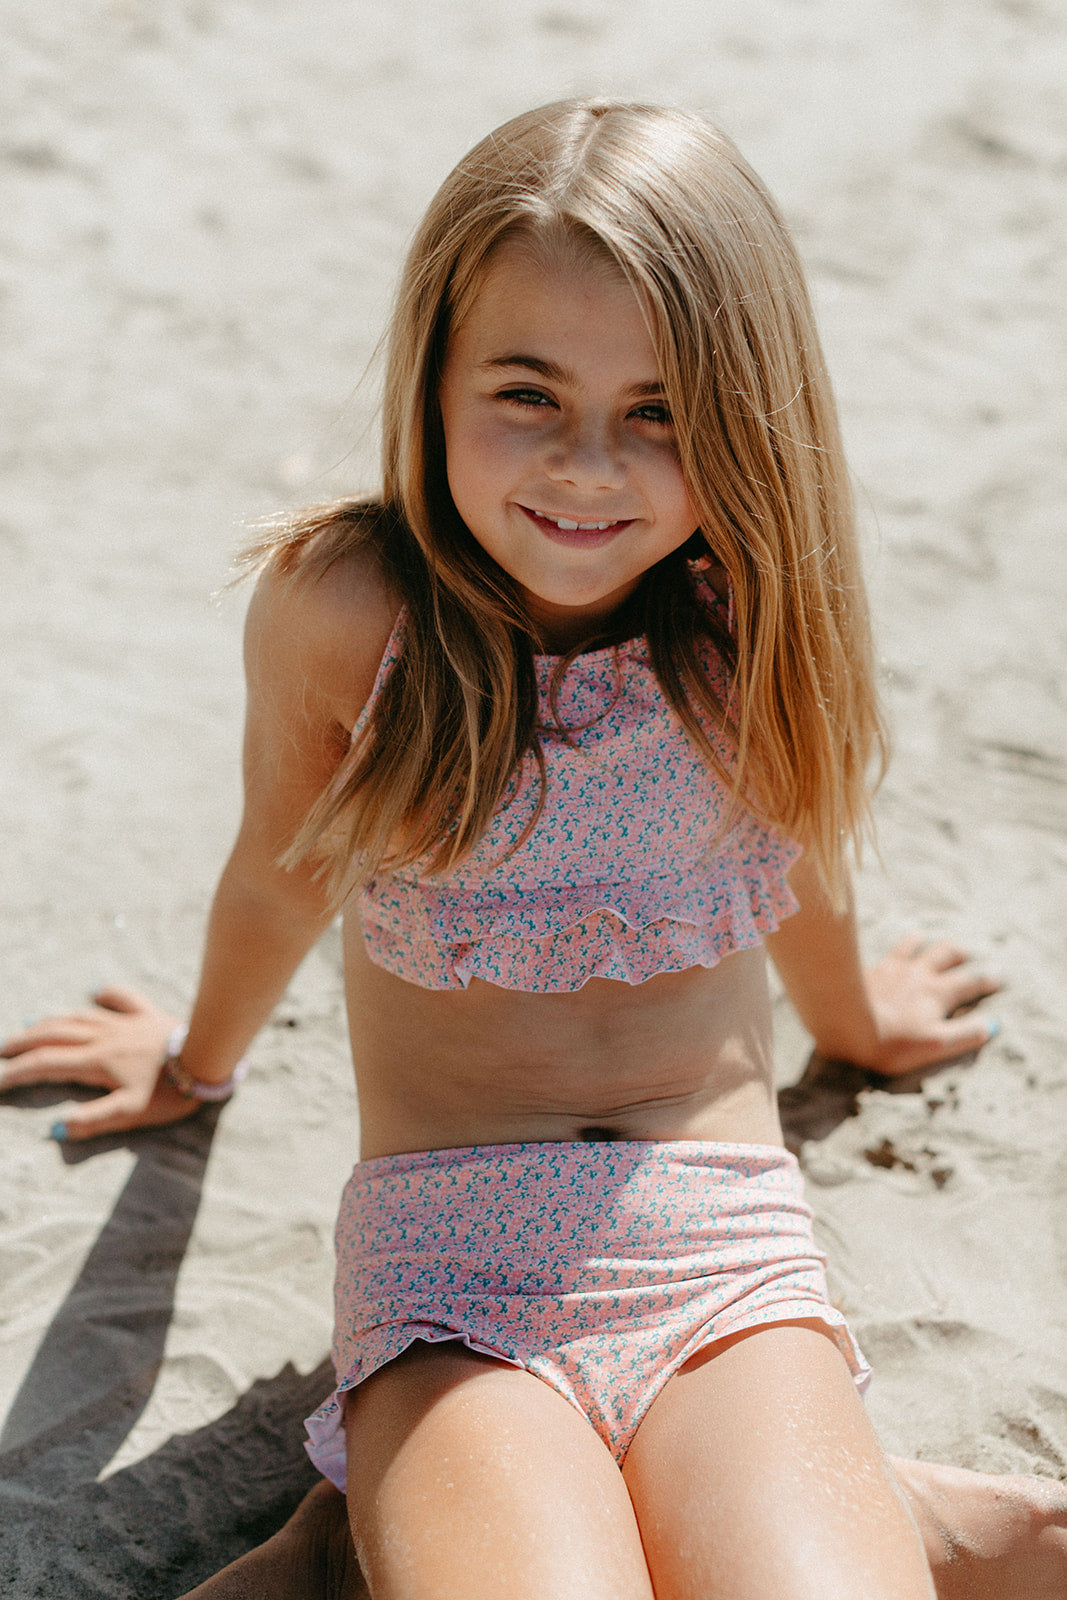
(571,526)
(583,532)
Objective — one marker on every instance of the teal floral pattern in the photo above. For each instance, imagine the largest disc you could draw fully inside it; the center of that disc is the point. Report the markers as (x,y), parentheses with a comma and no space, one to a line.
(625,874)
(599,1267)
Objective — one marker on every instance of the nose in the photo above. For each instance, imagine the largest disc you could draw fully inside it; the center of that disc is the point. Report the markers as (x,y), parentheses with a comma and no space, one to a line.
(587,453)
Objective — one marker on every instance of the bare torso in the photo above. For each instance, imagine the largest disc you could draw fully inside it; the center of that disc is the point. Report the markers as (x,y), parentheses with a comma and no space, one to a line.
(684,1056)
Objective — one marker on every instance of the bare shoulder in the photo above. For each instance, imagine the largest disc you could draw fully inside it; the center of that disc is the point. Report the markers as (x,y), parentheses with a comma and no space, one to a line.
(321,634)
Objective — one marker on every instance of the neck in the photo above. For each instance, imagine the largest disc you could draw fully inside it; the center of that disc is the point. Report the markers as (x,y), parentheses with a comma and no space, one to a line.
(560,635)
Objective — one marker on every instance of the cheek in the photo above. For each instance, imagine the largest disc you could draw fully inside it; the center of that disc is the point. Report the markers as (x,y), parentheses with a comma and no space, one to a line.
(687,510)
(482,460)
(666,472)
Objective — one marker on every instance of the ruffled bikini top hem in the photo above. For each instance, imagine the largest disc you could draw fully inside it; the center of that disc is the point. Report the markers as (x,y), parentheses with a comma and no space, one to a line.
(634,867)
(604,941)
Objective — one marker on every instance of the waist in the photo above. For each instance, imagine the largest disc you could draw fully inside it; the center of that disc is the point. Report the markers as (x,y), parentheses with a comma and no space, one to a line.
(526,1164)
(685,1056)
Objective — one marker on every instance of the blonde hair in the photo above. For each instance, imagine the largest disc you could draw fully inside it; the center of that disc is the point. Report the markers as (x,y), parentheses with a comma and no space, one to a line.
(670,201)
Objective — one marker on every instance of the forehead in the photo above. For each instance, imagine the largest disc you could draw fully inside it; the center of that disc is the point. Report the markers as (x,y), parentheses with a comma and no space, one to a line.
(565,296)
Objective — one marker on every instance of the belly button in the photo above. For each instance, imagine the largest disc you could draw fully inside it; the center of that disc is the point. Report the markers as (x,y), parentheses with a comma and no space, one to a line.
(597,1135)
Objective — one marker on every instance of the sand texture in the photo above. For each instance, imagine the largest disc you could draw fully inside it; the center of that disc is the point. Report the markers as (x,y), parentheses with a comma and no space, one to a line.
(204,203)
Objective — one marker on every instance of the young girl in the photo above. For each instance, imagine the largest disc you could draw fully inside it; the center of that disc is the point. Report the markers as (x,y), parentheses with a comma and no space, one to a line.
(571,722)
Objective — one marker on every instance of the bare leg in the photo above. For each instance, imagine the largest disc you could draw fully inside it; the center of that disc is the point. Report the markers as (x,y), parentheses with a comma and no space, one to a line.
(986,1538)
(756,1472)
(310,1558)
(469,1480)
(989,1538)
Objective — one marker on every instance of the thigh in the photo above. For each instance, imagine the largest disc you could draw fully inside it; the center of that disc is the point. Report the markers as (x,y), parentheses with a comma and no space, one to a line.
(470,1478)
(756,1473)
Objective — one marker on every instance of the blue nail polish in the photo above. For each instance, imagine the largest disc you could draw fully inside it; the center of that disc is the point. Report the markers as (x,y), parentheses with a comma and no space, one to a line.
(29,1022)
(58,1131)
(993,1027)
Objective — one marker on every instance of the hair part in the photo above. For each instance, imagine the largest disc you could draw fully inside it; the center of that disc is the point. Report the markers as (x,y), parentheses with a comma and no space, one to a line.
(669,202)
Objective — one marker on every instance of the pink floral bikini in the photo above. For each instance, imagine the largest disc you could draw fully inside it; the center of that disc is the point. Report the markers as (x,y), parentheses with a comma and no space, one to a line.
(618,879)
(599,1266)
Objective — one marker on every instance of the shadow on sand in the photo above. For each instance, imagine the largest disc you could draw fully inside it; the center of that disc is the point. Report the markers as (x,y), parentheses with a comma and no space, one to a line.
(825,1095)
(107,1337)
(159,1527)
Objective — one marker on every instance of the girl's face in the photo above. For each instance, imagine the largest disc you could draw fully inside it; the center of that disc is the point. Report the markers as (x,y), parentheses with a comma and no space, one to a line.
(560,449)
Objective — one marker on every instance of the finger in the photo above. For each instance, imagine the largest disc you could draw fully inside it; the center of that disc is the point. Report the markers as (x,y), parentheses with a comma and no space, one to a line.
(58,1030)
(115,997)
(958,1037)
(944,955)
(112,1113)
(966,990)
(55,1064)
(120,1112)
(909,946)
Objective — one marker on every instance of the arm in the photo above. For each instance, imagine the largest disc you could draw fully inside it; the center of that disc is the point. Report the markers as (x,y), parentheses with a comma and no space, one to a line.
(264,919)
(311,653)
(894,1018)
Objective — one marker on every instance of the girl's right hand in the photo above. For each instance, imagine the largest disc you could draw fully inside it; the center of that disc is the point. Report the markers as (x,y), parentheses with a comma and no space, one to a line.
(118,1044)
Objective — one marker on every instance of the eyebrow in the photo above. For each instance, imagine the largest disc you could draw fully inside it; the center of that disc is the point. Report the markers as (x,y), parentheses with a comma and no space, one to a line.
(557,374)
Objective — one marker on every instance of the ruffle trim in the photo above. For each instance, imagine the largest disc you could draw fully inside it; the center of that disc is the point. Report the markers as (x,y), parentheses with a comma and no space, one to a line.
(555,943)
(325,1442)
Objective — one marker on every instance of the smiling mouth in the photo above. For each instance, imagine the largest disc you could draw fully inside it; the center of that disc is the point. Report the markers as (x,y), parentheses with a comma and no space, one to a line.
(571,525)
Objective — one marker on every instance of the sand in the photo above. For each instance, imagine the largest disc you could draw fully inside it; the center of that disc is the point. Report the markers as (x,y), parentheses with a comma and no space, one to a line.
(204,205)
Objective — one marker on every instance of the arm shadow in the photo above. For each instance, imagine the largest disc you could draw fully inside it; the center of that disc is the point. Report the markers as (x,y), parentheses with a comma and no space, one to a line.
(827,1094)
(107,1337)
(161,1525)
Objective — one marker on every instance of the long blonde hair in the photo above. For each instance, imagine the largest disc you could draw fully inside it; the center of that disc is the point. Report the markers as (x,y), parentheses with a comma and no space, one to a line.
(670,201)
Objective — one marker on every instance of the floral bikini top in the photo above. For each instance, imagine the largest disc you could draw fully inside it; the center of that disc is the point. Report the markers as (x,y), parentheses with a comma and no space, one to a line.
(618,879)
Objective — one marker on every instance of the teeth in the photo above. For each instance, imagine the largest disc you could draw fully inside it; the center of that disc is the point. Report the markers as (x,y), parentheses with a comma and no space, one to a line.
(569,526)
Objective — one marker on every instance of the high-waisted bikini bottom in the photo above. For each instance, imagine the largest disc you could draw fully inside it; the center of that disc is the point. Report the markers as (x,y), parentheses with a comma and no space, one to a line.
(600,1267)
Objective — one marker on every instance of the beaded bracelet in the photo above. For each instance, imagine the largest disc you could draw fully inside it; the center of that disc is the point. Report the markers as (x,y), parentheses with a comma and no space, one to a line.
(195,1088)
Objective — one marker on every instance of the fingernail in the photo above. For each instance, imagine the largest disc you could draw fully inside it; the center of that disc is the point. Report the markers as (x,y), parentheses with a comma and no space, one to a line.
(58,1131)
(28,1022)
(992,1028)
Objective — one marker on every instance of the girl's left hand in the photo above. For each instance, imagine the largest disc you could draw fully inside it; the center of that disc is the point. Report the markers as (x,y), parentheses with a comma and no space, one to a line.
(913,992)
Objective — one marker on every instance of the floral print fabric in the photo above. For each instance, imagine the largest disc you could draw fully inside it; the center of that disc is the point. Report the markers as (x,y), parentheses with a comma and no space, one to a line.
(600,1267)
(624,875)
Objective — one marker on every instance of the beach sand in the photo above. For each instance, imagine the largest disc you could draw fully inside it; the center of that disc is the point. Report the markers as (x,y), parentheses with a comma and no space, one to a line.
(204,206)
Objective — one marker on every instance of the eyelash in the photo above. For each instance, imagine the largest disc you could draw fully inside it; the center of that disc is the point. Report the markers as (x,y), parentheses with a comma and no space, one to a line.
(663,420)
(534,400)
(526,397)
